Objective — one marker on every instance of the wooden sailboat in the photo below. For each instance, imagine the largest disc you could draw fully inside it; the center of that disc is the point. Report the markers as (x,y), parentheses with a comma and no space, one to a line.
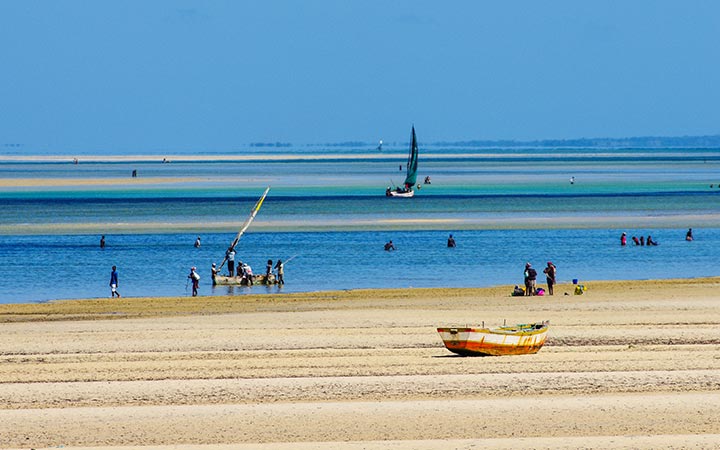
(406,190)
(519,339)
(240,280)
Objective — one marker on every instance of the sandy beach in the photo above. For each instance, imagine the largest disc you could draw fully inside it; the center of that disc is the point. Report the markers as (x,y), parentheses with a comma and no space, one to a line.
(627,365)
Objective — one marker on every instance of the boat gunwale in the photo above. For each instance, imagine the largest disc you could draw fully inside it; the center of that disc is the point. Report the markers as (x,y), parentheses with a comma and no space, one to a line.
(517,330)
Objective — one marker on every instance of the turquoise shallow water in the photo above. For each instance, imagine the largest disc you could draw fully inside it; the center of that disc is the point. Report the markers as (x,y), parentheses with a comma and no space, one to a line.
(334,217)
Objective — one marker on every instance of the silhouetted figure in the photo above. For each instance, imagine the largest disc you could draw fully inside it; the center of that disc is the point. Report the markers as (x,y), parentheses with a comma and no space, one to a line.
(689,235)
(389,246)
(102,242)
(451,241)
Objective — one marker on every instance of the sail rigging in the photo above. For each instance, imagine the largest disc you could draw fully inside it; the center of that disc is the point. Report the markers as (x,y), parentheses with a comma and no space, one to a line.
(247,223)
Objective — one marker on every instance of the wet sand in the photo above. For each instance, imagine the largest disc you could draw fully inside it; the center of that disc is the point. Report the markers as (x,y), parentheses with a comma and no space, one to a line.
(627,365)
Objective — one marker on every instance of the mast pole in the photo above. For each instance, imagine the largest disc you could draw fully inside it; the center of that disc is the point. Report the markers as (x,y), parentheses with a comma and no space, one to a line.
(247,223)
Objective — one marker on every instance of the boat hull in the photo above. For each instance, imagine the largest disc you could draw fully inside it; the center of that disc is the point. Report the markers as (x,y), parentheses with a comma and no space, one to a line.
(516,340)
(406,194)
(220,280)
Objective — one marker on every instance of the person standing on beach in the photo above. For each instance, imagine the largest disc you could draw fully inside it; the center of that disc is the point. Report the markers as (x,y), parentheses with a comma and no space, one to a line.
(530,275)
(280,271)
(114,283)
(550,272)
(230,255)
(451,241)
(102,242)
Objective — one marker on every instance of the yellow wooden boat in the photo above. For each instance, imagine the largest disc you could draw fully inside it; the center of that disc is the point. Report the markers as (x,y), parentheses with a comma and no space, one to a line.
(222,280)
(519,339)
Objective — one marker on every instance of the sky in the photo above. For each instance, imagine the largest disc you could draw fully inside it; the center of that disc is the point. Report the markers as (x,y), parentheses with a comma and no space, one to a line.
(217,75)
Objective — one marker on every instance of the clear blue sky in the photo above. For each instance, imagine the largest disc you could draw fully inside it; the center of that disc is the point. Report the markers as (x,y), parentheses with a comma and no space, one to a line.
(217,75)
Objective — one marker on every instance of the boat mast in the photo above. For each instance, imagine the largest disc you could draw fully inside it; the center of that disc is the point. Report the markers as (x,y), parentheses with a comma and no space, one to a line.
(247,223)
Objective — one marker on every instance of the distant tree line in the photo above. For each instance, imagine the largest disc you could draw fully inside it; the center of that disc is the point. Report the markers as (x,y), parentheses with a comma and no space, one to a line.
(270,144)
(712,141)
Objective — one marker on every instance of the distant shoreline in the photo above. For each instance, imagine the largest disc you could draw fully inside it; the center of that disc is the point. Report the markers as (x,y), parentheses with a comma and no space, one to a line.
(702,142)
(330,155)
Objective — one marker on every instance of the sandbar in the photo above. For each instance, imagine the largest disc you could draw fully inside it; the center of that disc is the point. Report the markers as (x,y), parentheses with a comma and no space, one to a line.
(628,364)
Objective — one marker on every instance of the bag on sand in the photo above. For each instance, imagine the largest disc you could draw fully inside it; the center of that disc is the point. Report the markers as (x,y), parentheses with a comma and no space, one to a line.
(518,292)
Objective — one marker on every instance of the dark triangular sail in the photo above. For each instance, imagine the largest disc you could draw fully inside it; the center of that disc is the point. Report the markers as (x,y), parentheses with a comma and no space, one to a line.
(412,163)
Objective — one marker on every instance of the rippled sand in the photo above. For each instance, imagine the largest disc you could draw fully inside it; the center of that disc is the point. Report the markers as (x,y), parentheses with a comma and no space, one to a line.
(627,365)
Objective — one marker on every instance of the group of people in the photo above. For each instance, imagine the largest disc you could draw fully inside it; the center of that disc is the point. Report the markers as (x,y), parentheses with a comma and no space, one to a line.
(649,241)
(390,246)
(245,271)
(530,278)
(637,241)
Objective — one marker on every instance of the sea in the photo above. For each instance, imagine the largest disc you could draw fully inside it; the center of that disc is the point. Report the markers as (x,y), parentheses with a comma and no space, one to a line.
(327,216)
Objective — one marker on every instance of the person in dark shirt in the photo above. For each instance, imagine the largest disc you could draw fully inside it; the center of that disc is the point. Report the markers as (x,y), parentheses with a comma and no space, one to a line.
(550,272)
(451,241)
(268,271)
(114,283)
(530,275)
(280,271)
